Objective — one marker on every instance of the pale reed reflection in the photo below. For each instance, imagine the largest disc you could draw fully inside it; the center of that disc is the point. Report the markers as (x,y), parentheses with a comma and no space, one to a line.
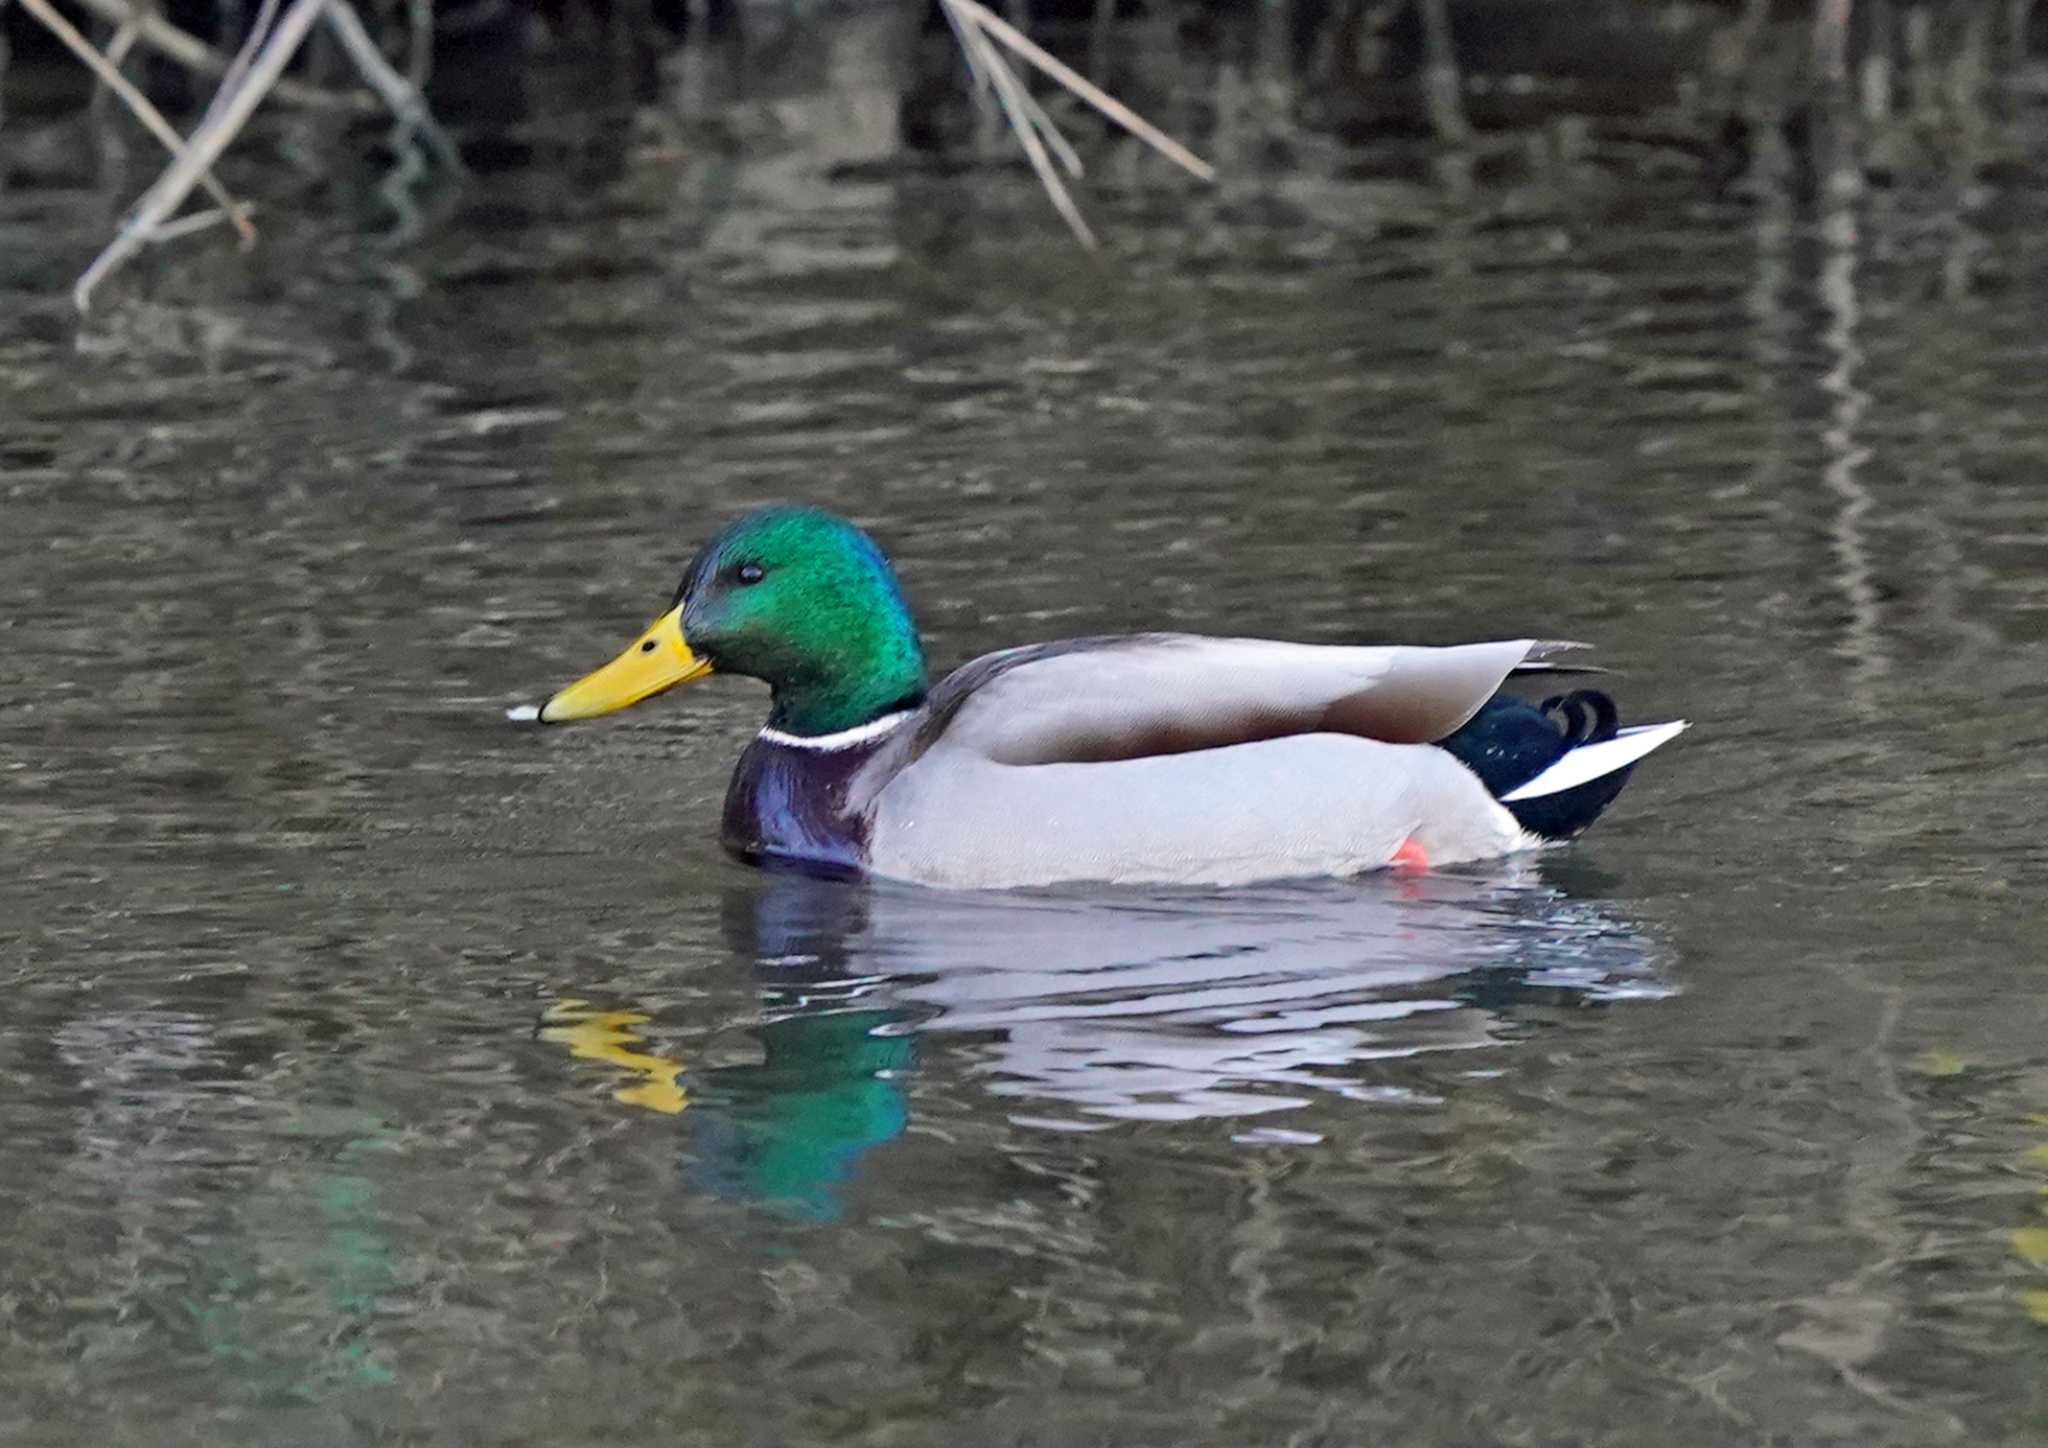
(1863,641)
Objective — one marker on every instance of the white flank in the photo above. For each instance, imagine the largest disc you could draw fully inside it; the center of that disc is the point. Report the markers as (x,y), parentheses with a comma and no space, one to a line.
(1590,761)
(844,739)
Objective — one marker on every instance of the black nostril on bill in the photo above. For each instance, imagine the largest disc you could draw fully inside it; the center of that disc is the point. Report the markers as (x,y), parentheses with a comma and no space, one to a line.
(648,647)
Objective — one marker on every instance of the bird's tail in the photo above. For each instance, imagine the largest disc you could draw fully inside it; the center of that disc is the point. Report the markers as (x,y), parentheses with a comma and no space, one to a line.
(1558,764)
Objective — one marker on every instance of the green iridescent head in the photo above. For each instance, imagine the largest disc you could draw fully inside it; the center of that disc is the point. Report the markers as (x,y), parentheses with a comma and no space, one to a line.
(797,598)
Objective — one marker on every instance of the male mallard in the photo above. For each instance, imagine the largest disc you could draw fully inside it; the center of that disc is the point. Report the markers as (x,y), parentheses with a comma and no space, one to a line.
(1151,757)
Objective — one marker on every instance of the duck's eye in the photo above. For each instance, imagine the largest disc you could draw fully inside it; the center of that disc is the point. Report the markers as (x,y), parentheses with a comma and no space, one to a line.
(750,573)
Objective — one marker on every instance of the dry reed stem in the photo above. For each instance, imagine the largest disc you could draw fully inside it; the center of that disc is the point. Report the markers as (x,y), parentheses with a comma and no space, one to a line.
(1048,132)
(1025,119)
(1021,44)
(398,93)
(186,225)
(982,61)
(123,42)
(195,54)
(224,120)
(259,31)
(968,50)
(152,119)
(255,72)
(978,29)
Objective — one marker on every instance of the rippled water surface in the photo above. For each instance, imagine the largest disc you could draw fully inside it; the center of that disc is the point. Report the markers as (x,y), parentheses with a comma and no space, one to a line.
(372,1069)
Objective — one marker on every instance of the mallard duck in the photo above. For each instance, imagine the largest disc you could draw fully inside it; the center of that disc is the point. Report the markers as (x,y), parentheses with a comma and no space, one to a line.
(1158,758)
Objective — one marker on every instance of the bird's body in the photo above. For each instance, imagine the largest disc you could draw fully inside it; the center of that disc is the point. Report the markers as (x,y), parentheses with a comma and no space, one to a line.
(1147,758)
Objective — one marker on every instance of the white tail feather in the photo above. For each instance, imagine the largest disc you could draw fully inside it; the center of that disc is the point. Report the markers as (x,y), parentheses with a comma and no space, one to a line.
(1590,761)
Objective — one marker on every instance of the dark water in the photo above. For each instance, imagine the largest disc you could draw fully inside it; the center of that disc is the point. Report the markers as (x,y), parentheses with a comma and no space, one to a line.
(371,1069)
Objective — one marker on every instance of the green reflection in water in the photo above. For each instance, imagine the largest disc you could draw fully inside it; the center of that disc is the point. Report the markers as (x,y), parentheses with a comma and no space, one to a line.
(791,1129)
(787,1131)
(245,1313)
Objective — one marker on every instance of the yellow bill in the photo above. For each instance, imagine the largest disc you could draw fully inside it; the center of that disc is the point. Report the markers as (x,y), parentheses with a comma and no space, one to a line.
(659,659)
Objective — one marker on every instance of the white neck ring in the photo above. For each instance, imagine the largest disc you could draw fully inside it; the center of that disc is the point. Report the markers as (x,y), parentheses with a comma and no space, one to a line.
(842,739)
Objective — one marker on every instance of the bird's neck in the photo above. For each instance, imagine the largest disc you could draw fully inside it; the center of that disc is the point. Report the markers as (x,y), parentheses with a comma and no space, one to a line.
(883,678)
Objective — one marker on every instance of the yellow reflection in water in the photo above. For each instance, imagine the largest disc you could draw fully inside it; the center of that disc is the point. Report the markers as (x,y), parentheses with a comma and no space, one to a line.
(608,1036)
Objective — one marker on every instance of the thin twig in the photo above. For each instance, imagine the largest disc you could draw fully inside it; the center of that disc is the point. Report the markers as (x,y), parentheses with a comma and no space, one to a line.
(259,31)
(972,53)
(419,56)
(982,59)
(1069,157)
(123,42)
(1017,104)
(971,45)
(186,225)
(152,119)
(398,93)
(194,54)
(205,146)
(982,18)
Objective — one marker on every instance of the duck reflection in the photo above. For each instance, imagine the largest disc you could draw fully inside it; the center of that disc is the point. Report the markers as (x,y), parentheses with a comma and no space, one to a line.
(789,1129)
(1076,1011)
(1163,1007)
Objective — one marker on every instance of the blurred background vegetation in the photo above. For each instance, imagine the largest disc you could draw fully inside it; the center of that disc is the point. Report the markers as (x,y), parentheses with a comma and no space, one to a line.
(1862,89)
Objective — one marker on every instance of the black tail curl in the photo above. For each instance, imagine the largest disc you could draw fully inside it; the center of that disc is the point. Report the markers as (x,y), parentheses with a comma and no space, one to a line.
(1590,716)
